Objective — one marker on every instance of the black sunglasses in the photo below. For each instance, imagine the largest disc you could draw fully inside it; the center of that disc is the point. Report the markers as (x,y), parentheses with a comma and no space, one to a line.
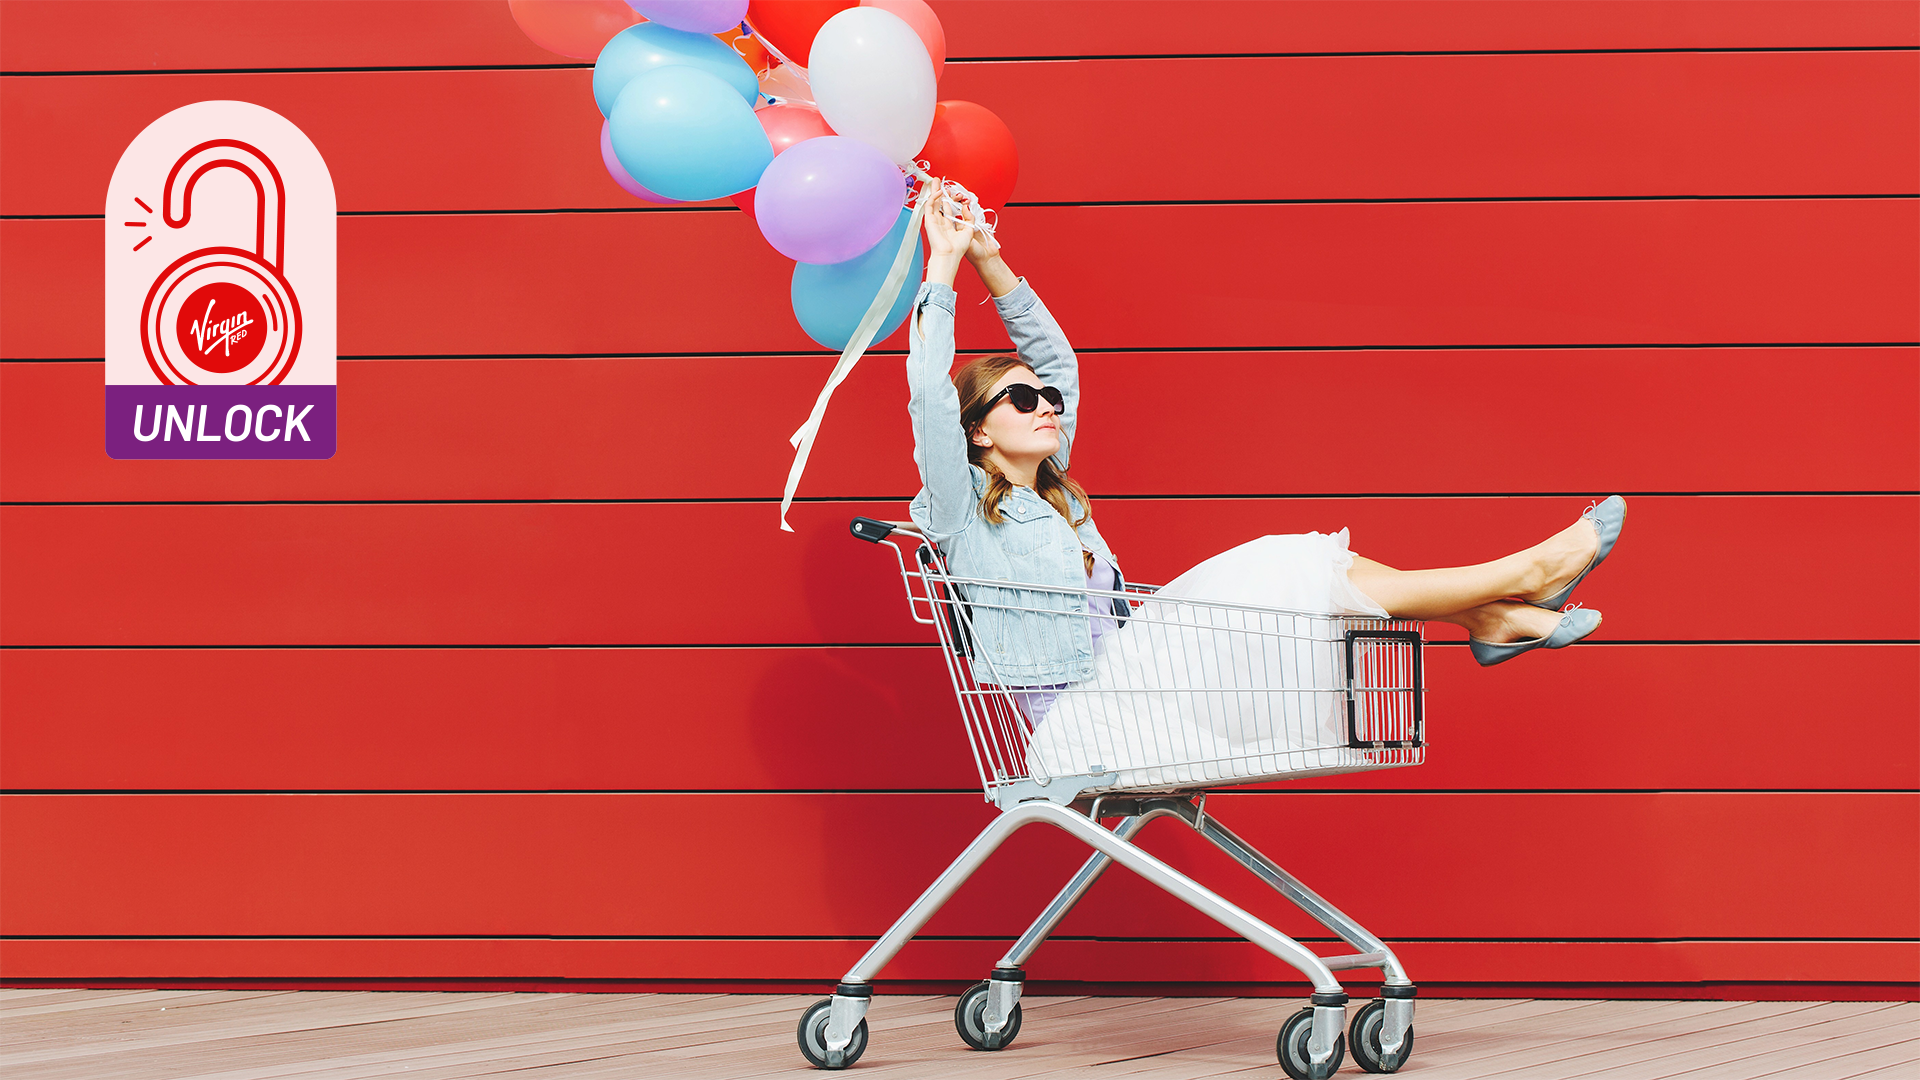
(1026,397)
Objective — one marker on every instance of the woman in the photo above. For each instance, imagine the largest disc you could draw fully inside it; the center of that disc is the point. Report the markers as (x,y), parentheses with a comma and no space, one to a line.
(993,444)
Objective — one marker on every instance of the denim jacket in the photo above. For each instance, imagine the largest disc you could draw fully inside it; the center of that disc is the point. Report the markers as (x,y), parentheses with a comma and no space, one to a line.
(1032,543)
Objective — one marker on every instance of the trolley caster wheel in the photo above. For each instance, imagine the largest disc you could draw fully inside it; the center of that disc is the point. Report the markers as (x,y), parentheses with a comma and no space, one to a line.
(1365,1034)
(813,1039)
(1292,1048)
(970,1020)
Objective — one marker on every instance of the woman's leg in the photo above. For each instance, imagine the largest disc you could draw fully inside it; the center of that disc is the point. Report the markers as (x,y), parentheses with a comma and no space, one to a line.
(1437,594)
(1505,621)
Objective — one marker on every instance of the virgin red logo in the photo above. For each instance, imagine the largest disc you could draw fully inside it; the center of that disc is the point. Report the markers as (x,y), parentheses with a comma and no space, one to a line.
(219,327)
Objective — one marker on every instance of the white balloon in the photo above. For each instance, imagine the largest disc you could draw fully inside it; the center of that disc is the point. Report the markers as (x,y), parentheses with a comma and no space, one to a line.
(873,80)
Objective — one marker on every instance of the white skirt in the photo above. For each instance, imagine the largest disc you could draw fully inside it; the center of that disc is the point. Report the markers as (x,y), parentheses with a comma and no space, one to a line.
(1185,694)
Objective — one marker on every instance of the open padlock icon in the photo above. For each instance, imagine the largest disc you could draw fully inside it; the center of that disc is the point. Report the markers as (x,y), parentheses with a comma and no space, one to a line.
(223,315)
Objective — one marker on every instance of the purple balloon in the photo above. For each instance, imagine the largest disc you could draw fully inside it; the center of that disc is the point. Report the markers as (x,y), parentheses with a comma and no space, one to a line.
(828,199)
(619,172)
(695,16)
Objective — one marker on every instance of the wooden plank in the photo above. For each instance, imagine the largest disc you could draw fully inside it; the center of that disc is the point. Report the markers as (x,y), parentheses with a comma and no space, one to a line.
(1535,1045)
(1646,717)
(1864,1030)
(1796,123)
(1719,420)
(14,998)
(912,1037)
(246,1021)
(459,1049)
(1886,1063)
(1390,274)
(1565,866)
(44,35)
(386,1037)
(134,1050)
(600,574)
(108,1007)
(1733,1037)
(1528,1048)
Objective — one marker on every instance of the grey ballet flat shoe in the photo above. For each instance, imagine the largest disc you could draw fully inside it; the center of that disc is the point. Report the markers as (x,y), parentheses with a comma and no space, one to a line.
(1574,625)
(1608,516)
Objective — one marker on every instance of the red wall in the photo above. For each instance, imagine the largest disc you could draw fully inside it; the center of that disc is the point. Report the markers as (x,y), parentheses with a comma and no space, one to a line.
(524,687)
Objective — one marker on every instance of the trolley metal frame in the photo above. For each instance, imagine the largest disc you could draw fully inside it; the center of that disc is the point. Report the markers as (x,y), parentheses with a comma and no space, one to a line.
(1384,727)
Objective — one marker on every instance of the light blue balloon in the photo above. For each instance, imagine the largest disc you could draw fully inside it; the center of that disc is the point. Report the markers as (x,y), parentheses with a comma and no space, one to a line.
(649,46)
(684,134)
(830,300)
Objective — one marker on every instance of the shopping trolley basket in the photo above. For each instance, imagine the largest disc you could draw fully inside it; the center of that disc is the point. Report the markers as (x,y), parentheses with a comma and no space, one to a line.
(1187,695)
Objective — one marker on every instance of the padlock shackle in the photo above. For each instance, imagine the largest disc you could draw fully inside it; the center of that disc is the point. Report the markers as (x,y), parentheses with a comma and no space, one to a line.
(270,214)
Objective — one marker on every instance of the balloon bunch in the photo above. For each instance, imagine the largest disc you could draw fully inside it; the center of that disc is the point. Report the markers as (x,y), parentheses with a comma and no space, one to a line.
(818,118)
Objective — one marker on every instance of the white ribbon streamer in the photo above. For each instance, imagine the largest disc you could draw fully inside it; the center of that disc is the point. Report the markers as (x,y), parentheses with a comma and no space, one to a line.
(802,440)
(961,206)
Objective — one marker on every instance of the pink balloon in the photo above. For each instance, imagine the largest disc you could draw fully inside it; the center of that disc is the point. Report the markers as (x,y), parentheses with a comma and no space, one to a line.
(925,23)
(828,199)
(695,16)
(619,173)
(789,124)
(576,28)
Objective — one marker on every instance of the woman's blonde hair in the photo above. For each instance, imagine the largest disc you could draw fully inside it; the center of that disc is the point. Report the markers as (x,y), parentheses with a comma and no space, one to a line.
(974,383)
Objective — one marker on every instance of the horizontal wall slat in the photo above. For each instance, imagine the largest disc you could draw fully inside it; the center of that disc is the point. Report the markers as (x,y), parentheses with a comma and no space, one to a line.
(1802,123)
(1795,717)
(53,35)
(984,27)
(1675,420)
(1760,272)
(1737,568)
(1110,961)
(1462,866)
(50,35)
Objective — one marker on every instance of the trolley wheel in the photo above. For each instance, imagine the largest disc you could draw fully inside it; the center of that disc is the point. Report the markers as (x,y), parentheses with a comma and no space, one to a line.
(1365,1035)
(813,1038)
(1292,1048)
(970,1020)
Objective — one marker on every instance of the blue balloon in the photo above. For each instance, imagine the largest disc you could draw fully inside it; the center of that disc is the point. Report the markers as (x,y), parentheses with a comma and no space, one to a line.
(830,300)
(684,134)
(649,46)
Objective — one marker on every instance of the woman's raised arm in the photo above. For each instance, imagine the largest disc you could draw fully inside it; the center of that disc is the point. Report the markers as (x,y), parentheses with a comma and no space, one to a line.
(939,446)
(1036,337)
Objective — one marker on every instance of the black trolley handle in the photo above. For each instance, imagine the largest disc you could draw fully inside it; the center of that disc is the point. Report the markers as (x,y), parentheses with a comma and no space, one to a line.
(873,530)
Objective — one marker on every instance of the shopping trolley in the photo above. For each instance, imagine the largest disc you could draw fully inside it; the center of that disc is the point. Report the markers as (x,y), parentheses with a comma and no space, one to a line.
(1187,695)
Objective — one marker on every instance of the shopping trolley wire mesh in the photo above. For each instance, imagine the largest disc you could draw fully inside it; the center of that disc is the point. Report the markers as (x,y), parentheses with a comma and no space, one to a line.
(1186,693)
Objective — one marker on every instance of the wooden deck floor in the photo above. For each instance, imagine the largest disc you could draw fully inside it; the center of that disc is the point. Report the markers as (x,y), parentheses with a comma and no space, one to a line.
(256,1035)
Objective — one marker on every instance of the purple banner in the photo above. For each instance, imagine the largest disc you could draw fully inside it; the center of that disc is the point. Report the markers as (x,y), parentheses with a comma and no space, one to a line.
(223,422)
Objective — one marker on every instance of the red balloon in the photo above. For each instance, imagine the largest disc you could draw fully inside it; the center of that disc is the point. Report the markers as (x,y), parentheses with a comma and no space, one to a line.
(789,25)
(576,28)
(784,125)
(971,145)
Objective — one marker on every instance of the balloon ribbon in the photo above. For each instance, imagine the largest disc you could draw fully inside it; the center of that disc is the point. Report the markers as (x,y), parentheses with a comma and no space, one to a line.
(802,440)
(962,206)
